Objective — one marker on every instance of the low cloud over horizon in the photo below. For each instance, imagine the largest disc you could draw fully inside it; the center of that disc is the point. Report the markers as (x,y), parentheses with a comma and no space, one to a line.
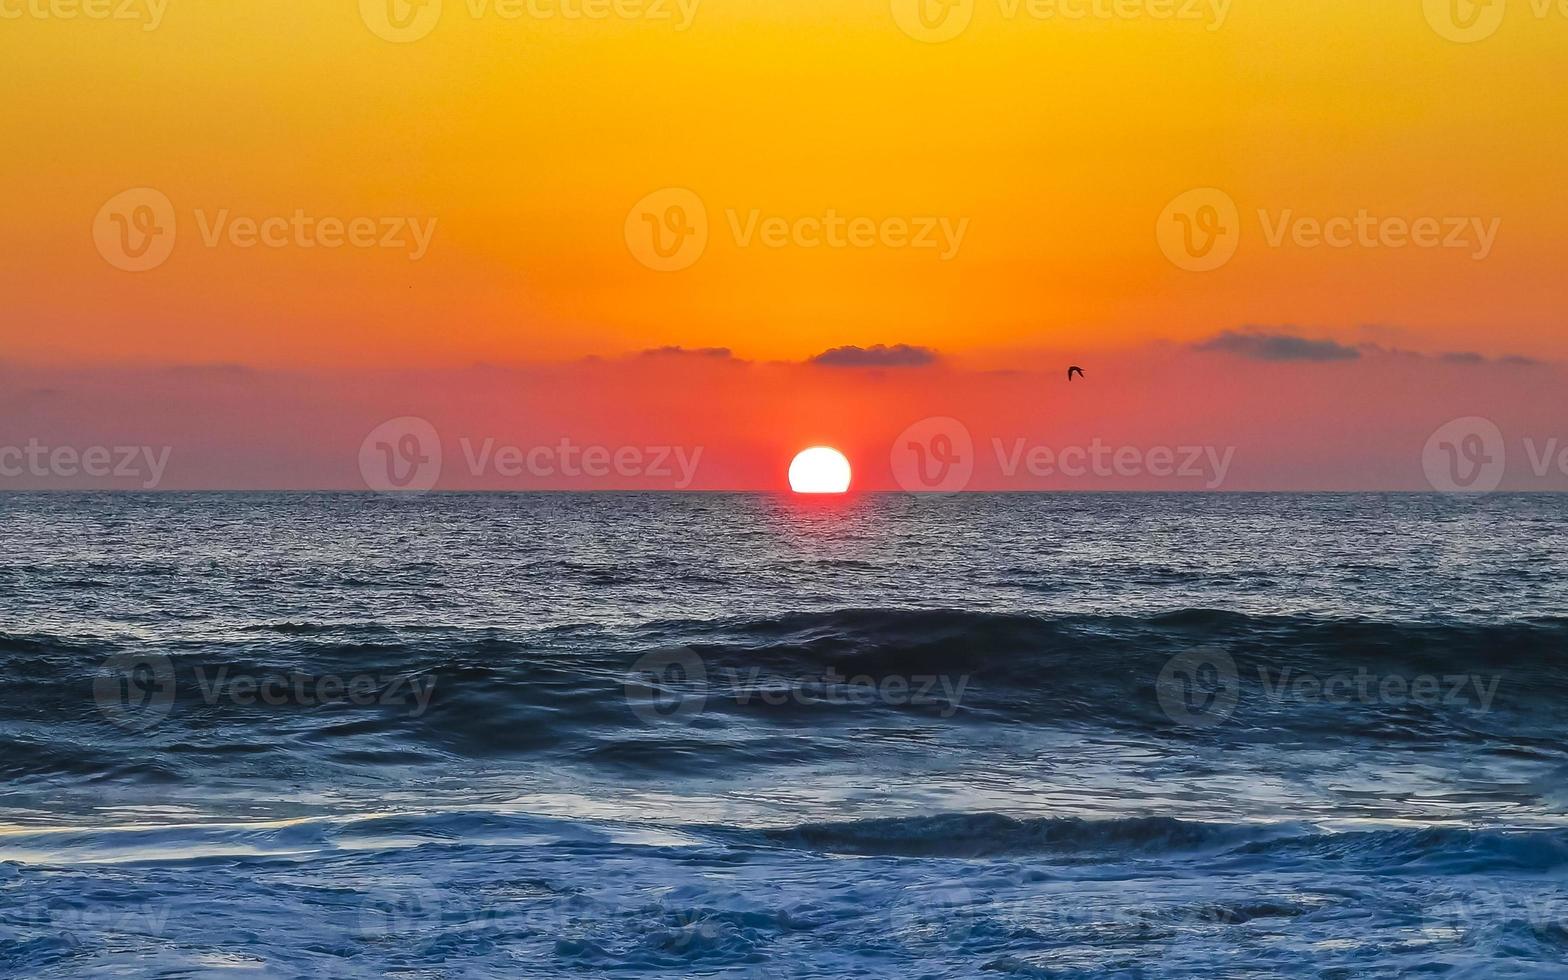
(675,350)
(878,355)
(1266,346)
(1286,344)
(304,429)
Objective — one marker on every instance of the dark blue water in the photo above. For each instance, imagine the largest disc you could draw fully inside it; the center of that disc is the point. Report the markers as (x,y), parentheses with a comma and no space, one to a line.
(757,736)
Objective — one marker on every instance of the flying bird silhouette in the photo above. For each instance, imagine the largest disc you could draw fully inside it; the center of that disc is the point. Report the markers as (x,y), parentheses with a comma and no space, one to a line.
(1075,369)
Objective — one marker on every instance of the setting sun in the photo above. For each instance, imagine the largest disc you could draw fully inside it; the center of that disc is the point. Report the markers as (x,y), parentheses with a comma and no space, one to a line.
(819,469)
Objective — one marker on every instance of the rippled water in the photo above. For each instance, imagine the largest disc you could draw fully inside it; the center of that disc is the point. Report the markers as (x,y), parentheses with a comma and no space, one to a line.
(752,735)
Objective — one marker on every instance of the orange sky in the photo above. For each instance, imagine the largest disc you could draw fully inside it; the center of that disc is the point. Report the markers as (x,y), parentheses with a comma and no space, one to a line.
(319,201)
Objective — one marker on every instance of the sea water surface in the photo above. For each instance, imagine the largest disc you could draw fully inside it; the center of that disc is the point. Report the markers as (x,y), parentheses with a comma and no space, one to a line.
(763,736)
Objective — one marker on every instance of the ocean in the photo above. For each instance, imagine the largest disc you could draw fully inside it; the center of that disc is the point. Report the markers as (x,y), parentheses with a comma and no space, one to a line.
(732,735)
